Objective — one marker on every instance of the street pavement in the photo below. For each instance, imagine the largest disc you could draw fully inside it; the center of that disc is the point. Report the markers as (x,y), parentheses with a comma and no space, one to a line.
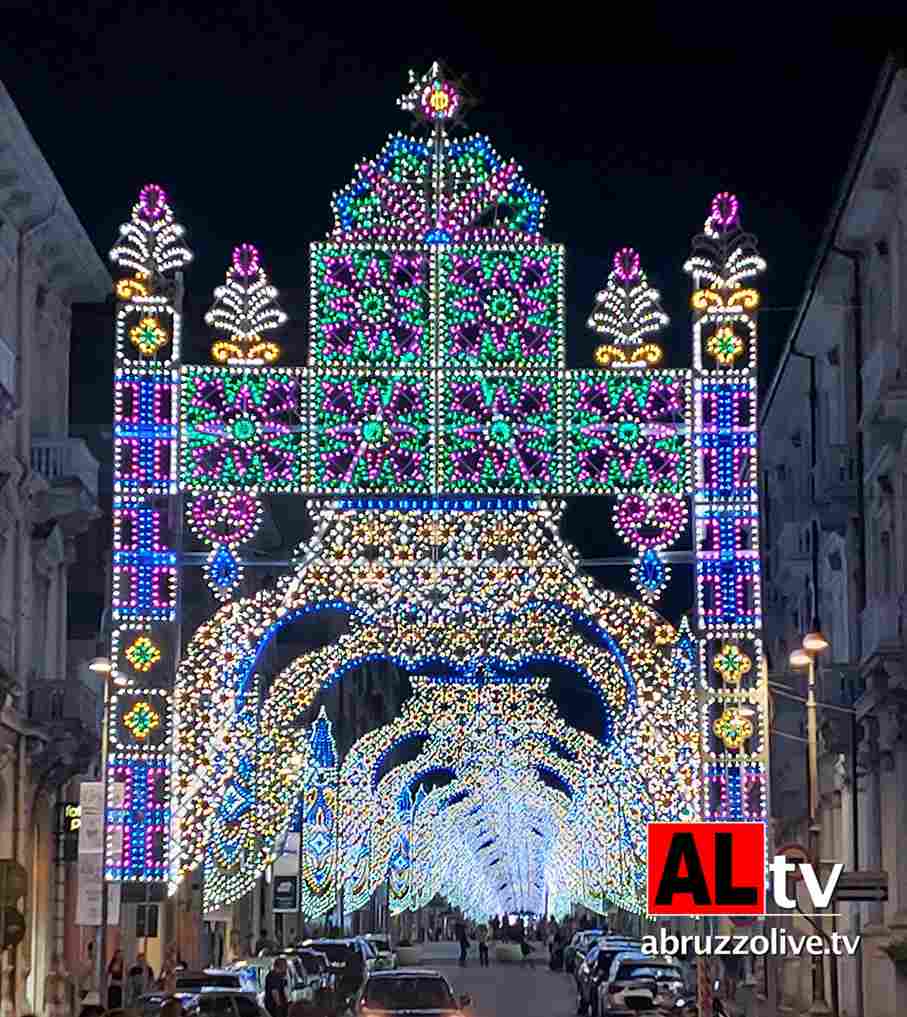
(505,990)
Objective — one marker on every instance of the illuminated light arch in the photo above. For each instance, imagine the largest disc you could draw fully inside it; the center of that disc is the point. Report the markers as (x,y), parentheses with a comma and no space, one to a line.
(435,403)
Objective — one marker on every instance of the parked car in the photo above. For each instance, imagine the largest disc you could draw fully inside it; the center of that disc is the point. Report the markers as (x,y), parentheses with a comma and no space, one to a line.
(628,969)
(371,954)
(595,968)
(387,956)
(579,946)
(206,1003)
(315,967)
(216,978)
(257,968)
(348,961)
(408,991)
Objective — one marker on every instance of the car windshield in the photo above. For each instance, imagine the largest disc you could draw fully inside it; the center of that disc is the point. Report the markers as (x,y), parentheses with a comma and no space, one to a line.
(417,993)
(380,944)
(192,982)
(337,953)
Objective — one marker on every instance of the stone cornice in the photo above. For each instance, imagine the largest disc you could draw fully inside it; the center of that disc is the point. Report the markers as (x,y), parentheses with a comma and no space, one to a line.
(29,191)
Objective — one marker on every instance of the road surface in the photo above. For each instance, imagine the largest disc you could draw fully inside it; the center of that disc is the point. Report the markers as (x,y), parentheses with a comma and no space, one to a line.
(505,990)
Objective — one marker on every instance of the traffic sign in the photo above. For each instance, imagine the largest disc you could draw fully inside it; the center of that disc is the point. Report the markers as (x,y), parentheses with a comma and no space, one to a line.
(13,924)
(862,886)
(13,881)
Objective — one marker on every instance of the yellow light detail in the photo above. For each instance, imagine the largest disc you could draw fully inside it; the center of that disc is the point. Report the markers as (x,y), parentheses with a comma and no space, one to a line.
(636,356)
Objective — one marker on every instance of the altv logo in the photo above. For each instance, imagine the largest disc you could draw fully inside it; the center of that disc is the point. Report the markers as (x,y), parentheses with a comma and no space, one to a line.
(719,869)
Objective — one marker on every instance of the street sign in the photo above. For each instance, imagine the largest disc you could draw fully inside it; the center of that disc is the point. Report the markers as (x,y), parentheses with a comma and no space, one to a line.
(285,890)
(13,881)
(862,886)
(13,923)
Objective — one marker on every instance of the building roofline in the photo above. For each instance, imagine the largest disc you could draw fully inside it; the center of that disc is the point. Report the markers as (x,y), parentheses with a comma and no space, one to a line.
(29,193)
(893,63)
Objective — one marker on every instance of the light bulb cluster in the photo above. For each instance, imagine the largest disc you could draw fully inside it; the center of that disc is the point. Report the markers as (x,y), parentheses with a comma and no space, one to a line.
(627,312)
(485,590)
(145,562)
(244,307)
(241,429)
(416,192)
(726,510)
(628,432)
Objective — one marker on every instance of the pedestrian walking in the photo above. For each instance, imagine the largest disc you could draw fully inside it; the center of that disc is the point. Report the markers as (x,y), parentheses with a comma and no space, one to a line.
(277,1002)
(463,940)
(526,951)
(116,974)
(482,936)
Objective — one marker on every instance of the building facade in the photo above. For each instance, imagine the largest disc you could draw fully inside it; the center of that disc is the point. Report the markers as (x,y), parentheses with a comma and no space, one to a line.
(834,461)
(49,730)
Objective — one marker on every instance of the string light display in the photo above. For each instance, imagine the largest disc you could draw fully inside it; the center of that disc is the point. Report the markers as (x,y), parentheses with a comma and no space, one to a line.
(435,407)
(627,311)
(726,507)
(143,654)
(145,563)
(500,432)
(241,429)
(502,308)
(244,307)
(628,432)
(373,433)
(229,518)
(489,592)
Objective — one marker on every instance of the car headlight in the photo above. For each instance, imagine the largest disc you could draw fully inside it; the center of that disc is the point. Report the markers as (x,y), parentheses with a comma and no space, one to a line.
(680,1003)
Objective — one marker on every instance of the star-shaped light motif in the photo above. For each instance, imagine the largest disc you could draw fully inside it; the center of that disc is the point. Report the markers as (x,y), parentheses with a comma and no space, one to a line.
(141,720)
(732,664)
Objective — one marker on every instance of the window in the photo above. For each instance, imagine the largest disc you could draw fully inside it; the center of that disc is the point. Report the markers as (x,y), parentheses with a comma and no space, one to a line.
(40,297)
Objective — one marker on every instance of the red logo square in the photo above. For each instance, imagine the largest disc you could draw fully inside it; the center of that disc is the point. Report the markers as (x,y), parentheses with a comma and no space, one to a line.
(706,868)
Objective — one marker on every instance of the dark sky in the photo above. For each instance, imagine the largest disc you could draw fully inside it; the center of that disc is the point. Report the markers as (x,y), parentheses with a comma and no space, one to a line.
(250,115)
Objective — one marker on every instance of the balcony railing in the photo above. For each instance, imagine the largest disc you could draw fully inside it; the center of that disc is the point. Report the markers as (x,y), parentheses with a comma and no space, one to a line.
(881,626)
(64,458)
(57,701)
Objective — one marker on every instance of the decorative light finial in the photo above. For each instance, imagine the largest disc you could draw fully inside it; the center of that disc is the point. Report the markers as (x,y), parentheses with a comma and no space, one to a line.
(151,243)
(245,307)
(436,97)
(626,312)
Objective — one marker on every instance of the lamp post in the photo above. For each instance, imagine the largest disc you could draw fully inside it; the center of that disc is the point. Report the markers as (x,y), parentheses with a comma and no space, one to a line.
(103,667)
(805,657)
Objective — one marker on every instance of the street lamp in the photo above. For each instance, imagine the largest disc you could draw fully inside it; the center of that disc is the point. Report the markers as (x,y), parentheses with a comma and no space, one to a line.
(805,656)
(103,666)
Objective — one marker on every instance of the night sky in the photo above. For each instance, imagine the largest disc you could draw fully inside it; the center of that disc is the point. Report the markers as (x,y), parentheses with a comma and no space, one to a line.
(250,120)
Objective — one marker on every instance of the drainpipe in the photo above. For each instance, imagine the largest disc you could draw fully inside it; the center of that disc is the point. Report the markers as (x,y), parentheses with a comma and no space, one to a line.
(856,261)
(813,460)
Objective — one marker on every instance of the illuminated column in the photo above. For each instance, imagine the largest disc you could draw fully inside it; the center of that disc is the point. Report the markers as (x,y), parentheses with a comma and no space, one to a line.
(319,822)
(145,597)
(726,515)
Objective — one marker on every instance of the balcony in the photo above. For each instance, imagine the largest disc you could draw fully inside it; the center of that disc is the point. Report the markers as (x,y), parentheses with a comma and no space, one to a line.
(72,473)
(63,459)
(68,713)
(880,628)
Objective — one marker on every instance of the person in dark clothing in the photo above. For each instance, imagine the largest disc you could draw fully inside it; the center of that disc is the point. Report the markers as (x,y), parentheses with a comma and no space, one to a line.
(277,1002)
(463,940)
